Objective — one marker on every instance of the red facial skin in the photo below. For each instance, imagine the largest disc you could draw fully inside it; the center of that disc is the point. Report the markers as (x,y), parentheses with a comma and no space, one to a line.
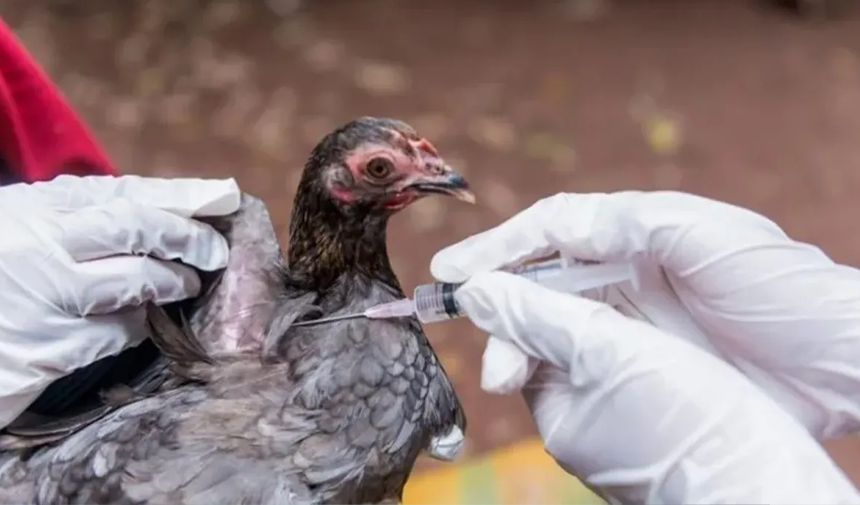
(412,157)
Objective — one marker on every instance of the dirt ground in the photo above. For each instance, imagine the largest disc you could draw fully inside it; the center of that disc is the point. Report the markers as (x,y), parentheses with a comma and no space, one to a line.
(727,99)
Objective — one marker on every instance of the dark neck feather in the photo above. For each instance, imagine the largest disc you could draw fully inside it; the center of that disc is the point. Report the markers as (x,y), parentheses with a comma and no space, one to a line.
(327,242)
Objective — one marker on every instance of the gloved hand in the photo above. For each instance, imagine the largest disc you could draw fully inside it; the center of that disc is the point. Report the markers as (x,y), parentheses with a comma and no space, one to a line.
(641,415)
(80,257)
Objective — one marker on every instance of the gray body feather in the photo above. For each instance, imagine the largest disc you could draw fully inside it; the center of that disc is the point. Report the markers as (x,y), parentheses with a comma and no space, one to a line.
(250,410)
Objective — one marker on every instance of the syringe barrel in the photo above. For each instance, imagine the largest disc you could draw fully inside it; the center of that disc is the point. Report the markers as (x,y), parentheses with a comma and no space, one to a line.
(435,302)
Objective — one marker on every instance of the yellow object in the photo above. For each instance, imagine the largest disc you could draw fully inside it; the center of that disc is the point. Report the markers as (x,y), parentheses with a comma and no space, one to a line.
(522,473)
(663,134)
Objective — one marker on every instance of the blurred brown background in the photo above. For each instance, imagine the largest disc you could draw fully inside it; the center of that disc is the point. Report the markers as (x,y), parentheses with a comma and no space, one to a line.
(726,98)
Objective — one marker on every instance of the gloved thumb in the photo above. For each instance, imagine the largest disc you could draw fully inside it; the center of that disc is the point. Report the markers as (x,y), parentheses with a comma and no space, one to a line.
(604,227)
(581,225)
(544,325)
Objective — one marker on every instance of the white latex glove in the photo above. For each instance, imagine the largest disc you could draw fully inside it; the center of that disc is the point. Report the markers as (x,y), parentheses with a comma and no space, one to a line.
(79,258)
(638,413)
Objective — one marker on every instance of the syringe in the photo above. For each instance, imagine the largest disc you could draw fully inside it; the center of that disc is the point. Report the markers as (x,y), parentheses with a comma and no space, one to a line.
(436,302)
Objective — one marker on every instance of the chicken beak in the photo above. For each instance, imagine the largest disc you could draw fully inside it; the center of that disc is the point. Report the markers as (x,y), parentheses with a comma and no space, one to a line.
(446,182)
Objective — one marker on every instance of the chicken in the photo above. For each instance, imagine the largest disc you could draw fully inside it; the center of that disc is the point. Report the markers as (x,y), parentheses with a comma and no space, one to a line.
(242,407)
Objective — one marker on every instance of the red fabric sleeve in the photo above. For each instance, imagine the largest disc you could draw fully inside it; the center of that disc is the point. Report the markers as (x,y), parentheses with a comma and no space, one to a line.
(40,135)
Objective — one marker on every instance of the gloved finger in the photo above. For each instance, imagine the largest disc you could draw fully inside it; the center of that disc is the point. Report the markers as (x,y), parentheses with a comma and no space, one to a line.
(526,235)
(598,227)
(504,367)
(589,340)
(108,285)
(125,227)
(544,324)
(185,197)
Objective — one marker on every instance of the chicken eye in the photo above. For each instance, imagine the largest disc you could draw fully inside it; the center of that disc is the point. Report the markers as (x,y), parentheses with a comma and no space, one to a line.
(379,168)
